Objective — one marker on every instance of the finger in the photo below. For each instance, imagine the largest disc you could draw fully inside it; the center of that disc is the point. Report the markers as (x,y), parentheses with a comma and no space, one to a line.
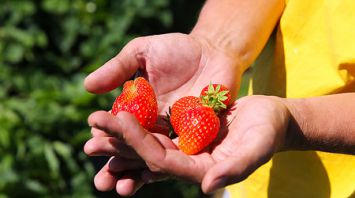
(119,69)
(151,177)
(118,164)
(129,184)
(105,122)
(165,141)
(104,179)
(109,146)
(159,157)
(95,132)
(111,125)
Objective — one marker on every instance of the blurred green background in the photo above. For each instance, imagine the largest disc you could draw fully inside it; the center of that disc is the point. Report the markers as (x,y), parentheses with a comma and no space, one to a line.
(47,47)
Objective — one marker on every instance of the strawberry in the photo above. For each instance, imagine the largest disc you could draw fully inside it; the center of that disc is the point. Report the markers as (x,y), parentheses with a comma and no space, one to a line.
(195,120)
(198,127)
(180,106)
(216,96)
(138,98)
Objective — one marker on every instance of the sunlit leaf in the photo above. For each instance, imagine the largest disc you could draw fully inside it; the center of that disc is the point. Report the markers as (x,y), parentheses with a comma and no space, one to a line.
(14,53)
(36,186)
(52,160)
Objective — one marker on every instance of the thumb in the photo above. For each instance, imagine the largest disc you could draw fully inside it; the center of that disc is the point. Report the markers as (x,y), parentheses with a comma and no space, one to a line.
(119,69)
(158,151)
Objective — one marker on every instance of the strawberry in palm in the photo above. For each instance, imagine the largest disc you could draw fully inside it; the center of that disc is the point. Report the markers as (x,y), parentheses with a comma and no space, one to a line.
(180,107)
(198,127)
(195,120)
(138,98)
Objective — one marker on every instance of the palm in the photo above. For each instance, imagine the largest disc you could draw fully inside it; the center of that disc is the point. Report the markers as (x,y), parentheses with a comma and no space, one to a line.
(177,65)
(253,131)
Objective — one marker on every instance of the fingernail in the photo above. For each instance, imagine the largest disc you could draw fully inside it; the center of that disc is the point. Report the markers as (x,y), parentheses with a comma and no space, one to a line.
(219,183)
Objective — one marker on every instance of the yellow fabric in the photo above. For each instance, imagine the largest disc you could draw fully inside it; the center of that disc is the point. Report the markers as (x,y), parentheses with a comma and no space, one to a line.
(312,53)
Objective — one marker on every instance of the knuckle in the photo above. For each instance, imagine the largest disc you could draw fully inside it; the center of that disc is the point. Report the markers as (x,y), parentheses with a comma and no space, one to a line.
(154,167)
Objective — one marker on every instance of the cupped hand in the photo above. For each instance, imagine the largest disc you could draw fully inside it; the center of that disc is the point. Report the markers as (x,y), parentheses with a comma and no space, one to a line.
(253,129)
(175,64)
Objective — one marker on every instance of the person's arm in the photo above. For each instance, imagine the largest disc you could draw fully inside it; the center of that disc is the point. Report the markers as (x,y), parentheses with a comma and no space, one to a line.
(324,123)
(237,27)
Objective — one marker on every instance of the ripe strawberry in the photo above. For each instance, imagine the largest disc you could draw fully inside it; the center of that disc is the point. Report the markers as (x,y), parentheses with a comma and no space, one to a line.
(216,96)
(195,119)
(198,127)
(179,107)
(138,97)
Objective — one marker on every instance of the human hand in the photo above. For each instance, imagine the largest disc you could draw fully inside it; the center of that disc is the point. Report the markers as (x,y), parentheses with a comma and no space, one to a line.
(252,131)
(124,169)
(175,65)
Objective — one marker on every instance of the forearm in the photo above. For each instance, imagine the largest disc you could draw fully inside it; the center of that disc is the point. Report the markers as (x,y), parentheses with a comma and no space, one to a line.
(324,123)
(238,27)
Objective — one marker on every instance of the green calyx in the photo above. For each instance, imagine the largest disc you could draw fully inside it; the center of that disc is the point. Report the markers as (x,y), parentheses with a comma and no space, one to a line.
(214,98)
(172,133)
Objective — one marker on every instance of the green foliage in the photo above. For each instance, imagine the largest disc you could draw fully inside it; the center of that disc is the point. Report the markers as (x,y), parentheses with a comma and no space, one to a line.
(47,47)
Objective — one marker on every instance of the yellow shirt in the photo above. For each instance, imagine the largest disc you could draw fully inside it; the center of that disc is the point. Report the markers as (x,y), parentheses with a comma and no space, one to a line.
(312,53)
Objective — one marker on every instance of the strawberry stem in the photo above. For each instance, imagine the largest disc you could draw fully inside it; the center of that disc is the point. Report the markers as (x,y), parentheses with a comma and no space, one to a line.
(215,98)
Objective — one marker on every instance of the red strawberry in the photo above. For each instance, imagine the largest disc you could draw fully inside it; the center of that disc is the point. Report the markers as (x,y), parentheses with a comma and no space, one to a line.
(195,120)
(198,127)
(179,107)
(138,97)
(216,96)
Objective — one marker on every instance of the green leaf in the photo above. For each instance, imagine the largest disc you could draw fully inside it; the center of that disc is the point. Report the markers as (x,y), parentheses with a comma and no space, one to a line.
(52,160)
(3,195)
(56,6)
(222,93)
(35,186)
(218,88)
(223,98)
(210,88)
(7,174)
(14,53)
(62,149)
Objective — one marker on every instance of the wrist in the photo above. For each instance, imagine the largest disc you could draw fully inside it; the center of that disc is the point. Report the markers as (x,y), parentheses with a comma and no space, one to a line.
(232,27)
(321,123)
(221,44)
(227,66)
(294,137)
